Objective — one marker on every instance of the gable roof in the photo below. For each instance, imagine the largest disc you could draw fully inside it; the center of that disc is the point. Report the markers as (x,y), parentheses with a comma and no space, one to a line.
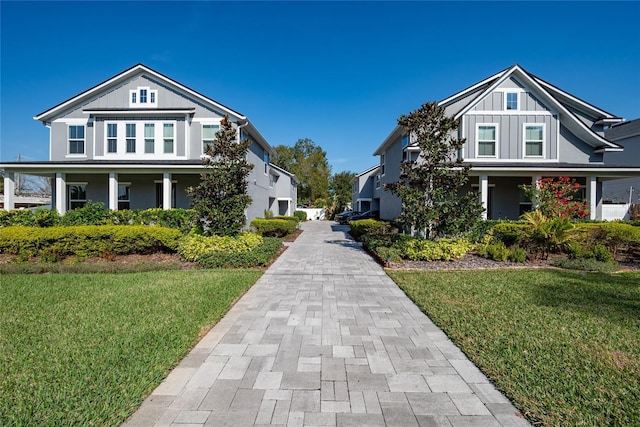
(137,69)
(561,101)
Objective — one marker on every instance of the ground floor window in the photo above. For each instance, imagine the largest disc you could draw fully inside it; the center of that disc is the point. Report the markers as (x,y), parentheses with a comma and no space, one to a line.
(77,195)
(159,193)
(124,196)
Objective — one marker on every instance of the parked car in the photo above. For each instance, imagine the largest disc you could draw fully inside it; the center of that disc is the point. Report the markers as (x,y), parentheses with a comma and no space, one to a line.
(373,214)
(343,217)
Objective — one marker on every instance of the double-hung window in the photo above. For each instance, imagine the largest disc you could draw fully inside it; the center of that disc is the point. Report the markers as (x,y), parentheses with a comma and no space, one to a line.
(208,137)
(149,138)
(533,140)
(512,101)
(487,139)
(112,138)
(131,137)
(143,96)
(76,139)
(77,195)
(382,159)
(167,134)
(265,157)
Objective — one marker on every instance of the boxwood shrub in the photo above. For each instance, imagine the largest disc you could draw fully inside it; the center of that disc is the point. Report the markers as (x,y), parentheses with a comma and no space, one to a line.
(244,250)
(361,227)
(301,215)
(417,249)
(274,227)
(54,243)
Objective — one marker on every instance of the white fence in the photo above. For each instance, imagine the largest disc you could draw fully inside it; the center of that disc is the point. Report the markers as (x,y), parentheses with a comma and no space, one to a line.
(313,214)
(615,211)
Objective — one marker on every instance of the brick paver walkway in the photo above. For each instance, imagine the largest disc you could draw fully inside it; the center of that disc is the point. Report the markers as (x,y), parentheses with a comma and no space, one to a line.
(326,338)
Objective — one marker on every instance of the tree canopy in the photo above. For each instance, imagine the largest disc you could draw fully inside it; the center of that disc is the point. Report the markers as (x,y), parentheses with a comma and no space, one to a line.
(221,197)
(430,187)
(309,163)
(340,186)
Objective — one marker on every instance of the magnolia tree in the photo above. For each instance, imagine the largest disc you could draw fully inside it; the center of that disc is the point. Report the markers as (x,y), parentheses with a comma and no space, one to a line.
(430,187)
(221,197)
(557,197)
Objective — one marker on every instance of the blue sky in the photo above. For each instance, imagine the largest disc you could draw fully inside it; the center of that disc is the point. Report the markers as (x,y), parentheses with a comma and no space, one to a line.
(339,73)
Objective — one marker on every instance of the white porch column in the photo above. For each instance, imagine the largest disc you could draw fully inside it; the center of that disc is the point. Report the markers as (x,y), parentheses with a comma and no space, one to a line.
(534,182)
(166,191)
(61,193)
(9,191)
(592,196)
(113,191)
(484,195)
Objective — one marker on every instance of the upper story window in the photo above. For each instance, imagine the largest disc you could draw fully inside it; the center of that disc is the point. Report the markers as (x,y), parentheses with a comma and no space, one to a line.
(265,157)
(382,159)
(405,140)
(512,101)
(131,137)
(143,97)
(208,137)
(112,138)
(487,140)
(76,139)
(534,140)
(149,138)
(167,136)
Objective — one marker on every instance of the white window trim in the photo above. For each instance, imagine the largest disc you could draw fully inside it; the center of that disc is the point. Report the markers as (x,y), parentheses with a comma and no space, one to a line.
(202,124)
(106,138)
(162,138)
(497,141)
(544,141)
(506,96)
(144,138)
(147,104)
(69,199)
(140,153)
(84,141)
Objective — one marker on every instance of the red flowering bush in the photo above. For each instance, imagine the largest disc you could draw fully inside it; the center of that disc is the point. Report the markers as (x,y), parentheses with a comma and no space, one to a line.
(557,197)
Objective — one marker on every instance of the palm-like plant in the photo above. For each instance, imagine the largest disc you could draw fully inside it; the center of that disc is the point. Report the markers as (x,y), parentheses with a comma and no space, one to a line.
(548,235)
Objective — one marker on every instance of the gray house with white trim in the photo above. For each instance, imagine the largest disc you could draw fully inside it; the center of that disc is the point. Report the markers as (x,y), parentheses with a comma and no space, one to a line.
(363,187)
(518,128)
(135,141)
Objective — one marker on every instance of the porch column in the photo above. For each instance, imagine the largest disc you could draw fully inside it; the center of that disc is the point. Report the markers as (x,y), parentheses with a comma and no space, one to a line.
(534,182)
(9,191)
(166,191)
(592,196)
(61,193)
(113,191)
(484,195)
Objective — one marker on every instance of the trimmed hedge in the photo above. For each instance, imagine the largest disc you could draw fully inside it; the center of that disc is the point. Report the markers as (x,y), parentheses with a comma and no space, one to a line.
(55,243)
(244,250)
(361,227)
(301,215)
(417,249)
(96,214)
(274,227)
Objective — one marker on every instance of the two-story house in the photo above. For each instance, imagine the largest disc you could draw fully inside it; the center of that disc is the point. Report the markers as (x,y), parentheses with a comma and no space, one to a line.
(628,135)
(136,141)
(364,185)
(518,128)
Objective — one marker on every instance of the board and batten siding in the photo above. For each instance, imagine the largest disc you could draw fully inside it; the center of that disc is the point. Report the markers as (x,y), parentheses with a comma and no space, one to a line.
(510,134)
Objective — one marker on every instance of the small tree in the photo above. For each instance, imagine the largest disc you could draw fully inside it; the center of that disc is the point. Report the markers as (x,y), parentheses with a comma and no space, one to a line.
(221,197)
(556,197)
(429,187)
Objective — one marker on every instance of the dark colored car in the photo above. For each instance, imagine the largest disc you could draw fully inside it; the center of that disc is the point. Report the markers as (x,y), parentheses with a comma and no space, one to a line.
(374,214)
(343,217)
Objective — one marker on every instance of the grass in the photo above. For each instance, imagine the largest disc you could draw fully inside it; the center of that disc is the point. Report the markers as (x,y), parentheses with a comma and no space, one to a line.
(86,349)
(564,346)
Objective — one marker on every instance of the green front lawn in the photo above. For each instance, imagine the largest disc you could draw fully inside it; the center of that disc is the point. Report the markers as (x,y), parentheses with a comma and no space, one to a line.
(564,346)
(85,349)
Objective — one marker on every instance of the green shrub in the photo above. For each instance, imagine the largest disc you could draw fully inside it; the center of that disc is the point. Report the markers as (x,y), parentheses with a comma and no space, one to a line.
(181,219)
(259,256)
(268,214)
(587,264)
(90,214)
(389,254)
(480,229)
(54,243)
(274,227)
(517,254)
(301,215)
(417,249)
(195,246)
(288,218)
(508,232)
(369,226)
(494,249)
(29,218)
